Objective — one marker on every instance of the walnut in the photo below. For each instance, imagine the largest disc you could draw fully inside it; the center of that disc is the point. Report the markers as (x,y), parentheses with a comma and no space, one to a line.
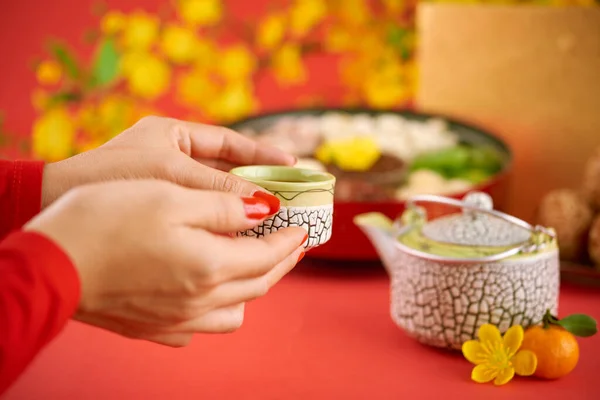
(571,216)
(591,180)
(594,242)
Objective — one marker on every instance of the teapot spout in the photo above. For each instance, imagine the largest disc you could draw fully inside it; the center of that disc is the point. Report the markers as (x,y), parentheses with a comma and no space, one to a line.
(379,229)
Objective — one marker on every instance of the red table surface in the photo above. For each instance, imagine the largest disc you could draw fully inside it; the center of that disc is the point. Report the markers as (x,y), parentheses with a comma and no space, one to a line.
(322,333)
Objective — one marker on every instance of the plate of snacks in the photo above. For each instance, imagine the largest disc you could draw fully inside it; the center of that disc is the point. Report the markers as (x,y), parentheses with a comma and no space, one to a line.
(575,215)
(380,159)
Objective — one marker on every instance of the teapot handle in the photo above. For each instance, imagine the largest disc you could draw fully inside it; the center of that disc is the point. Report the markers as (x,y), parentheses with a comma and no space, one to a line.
(536,243)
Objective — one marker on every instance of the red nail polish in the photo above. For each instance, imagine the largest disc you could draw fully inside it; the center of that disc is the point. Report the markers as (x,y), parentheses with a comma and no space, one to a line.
(305,237)
(300,257)
(271,200)
(256,208)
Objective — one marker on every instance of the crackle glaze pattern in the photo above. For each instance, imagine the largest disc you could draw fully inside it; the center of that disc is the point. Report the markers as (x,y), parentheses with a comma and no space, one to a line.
(443,305)
(475,230)
(316,220)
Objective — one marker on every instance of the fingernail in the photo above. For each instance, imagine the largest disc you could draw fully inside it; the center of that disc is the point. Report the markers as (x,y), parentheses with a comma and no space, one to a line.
(256,208)
(300,257)
(271,200)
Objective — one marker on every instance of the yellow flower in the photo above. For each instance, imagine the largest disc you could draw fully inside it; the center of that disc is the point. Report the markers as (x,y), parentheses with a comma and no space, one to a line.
(49,72)
(141,30)
(237,63)
(205,54)
(339,39)
(350,154)
(394,6)
(200,12)
(112,22)
(305,14)
(271,31)
(179,44)
(147,75)
(354,12)
(381,92)
(53,135)
(39,99)
(196,89)
(387,85)
(411,73)
(110,116)
(498,358)
(288,66)
(115,113)
(235,101)
(87,119)
(87,145)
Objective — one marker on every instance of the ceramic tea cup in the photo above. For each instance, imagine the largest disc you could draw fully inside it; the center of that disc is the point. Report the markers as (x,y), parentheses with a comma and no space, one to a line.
(306,198)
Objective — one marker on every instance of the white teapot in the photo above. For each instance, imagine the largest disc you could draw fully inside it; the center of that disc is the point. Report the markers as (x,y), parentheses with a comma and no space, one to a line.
(452,274)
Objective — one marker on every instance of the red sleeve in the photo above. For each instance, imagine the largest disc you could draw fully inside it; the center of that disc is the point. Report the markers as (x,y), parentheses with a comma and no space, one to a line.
(39,292)
(20,193)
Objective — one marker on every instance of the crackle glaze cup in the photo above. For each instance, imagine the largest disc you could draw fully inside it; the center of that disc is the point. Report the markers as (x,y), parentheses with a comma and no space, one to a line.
(306,198)
(452,274)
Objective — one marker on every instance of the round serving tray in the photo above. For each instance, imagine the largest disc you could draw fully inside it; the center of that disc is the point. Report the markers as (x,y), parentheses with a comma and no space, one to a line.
(347,241)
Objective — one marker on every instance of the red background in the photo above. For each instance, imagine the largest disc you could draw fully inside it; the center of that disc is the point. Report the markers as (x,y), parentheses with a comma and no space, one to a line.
(323,333)
(26,26)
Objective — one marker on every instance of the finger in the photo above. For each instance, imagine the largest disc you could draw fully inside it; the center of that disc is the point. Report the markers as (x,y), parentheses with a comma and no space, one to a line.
(247,257)
(219,212)
(157,312)
(219,164)
(166,339)
(188,172)
(281,270)
(209,141)
(222,320)
(246,290)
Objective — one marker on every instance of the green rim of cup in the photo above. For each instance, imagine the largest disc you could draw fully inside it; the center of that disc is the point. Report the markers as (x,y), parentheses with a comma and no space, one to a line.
(284,178)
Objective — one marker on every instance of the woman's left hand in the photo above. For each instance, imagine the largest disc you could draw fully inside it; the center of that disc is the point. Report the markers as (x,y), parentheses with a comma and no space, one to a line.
(168,149)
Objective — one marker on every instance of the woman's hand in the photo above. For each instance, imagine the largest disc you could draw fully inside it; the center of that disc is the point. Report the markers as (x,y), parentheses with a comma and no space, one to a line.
(155,261)
(168,149)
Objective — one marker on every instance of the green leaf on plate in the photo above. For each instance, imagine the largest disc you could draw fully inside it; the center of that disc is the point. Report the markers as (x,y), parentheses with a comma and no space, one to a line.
(106,64)
(579,325)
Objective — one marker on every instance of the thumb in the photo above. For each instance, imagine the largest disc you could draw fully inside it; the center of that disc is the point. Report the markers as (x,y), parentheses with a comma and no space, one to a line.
(192,174)
(221,212)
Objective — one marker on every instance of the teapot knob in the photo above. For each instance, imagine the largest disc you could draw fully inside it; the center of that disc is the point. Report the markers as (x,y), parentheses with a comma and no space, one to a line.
(479,200)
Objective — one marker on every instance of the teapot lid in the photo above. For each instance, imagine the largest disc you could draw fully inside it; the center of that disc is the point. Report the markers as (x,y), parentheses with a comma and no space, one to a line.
(477,233)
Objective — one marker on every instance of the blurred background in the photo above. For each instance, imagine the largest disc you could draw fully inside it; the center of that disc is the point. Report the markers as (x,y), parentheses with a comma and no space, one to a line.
(395,97)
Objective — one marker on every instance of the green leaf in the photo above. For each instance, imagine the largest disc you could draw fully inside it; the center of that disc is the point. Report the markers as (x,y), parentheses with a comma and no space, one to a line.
(65,59)
(63,97)
(396,36)
(449,162)
(399,39)
(579,325)
(106,64)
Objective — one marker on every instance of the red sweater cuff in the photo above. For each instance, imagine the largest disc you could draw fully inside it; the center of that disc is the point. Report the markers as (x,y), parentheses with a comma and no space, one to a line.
(48,261)
(20,193)
(39,293)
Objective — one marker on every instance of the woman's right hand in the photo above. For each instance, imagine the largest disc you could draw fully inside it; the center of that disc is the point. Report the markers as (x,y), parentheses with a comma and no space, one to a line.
(155,261)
